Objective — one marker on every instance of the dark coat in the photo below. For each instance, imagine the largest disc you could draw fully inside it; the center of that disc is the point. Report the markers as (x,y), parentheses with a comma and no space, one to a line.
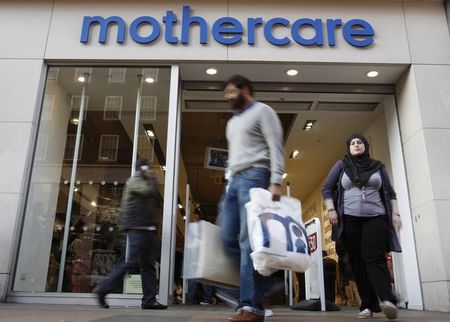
(332,189)
(138,202)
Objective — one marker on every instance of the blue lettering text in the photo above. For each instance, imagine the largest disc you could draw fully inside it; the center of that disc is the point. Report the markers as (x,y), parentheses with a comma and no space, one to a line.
(136,24)
(230,31)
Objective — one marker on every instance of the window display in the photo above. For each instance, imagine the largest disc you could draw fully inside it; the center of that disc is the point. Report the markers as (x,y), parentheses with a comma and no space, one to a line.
(88,136)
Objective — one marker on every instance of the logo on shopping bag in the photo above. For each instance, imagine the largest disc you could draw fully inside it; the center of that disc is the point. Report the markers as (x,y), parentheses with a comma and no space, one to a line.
(291,226)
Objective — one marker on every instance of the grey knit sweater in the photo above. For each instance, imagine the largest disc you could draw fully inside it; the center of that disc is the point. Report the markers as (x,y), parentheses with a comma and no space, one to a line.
(255,138)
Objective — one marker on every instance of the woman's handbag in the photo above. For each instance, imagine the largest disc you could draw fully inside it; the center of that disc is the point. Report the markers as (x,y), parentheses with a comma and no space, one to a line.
(277,233)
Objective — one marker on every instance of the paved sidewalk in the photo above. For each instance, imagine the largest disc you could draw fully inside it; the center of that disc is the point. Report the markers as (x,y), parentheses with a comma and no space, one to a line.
(182,313)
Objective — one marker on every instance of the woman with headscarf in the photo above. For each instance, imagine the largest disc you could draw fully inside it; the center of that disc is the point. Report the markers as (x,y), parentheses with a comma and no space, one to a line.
(363,211)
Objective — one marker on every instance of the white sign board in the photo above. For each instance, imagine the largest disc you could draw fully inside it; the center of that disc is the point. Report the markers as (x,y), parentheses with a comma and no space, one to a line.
(314,282)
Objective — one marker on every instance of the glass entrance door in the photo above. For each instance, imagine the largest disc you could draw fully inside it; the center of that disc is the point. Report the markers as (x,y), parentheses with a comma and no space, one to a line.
(95,122)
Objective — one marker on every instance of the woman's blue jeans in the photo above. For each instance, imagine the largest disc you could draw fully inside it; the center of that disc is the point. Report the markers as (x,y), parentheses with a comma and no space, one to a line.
(233,223)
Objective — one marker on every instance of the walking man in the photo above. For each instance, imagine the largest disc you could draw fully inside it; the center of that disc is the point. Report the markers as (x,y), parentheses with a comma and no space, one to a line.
(255,160)
(138,219)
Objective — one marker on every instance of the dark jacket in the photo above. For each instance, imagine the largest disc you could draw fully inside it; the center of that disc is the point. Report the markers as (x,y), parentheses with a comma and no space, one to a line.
(332,189)
(138,202)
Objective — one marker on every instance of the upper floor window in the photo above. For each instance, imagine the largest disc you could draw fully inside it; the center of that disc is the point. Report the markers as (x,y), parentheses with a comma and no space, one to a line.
(148,108)
(113,107)
(70,147)
(116,75)
(109,145)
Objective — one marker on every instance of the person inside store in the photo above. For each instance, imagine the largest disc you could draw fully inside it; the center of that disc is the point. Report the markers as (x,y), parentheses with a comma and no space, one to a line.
(139,223)
(363,211)
(329,277)
(255,160)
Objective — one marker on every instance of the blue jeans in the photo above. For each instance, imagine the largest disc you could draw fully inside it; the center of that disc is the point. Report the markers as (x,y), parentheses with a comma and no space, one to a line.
(233,223)
(207,292)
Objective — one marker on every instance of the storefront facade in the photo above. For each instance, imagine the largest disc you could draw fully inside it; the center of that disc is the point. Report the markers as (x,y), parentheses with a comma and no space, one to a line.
(64,162)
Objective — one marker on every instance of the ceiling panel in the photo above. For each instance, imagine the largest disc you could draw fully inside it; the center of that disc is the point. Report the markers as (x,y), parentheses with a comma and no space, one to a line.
(341,107)
(308,73)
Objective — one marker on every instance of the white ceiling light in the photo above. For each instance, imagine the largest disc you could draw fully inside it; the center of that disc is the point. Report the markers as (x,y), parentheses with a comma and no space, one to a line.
(81,78)
(309,125)
(150,133)
(75,121)
(294,154)
(149,80)
(292,72)
(372,73)
(211,71)
(180,206)
(284,176)
(93,204)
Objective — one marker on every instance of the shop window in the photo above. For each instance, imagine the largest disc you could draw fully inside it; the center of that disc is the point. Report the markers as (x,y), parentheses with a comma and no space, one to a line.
(108,148)
(70,239)
(113,107)
(116,75)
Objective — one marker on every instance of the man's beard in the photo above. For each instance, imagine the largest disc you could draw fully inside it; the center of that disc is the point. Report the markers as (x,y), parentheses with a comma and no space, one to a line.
(238,103)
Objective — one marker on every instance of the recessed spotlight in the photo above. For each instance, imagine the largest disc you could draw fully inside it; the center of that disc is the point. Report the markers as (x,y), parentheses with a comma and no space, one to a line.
(372,73)
(150,133)
(309,125)
(75,121)
(180,206)
(93,204)
(284,176)
(81,78)
(149,80)
(292,72)
(211,71)
(294,154)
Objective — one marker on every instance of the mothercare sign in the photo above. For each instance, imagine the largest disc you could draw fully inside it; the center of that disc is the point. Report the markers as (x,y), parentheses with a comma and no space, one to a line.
(278,31)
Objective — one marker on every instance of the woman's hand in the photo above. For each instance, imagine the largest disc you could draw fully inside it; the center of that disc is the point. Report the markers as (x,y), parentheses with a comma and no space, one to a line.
(333,217)
(396,221)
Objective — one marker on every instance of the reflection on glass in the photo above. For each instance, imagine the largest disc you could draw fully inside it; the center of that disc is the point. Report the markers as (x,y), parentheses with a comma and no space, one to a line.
(95,242)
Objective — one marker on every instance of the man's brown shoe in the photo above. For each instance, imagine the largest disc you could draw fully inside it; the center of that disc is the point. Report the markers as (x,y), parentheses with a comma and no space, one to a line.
(245,316)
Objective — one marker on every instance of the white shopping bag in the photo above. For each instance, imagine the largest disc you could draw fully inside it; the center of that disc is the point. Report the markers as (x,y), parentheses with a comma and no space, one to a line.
(277,233)
(205,259)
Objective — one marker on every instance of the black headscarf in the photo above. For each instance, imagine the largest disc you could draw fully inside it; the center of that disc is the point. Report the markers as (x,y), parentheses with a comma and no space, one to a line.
(360,168)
